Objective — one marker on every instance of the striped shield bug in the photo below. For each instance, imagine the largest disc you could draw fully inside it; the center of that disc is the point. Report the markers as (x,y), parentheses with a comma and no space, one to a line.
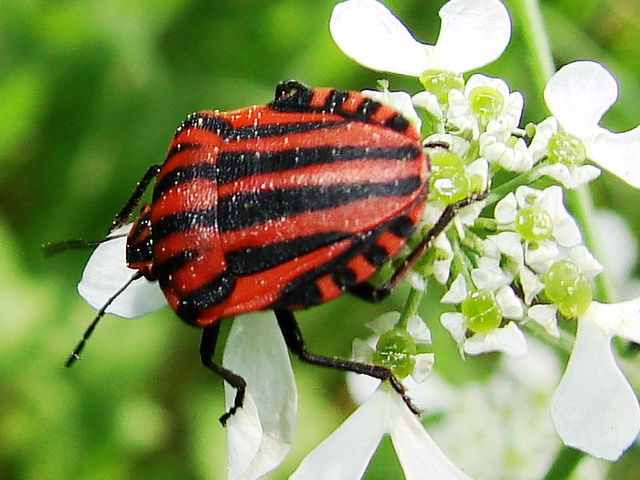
(282,207)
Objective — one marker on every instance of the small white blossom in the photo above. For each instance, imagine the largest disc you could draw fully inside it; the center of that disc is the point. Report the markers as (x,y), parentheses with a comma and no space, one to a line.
(594,408)
(570,176)
(508,339)
(346,453)
(363,351)
(473,33)
(578,95)
(501,124)
(564,230)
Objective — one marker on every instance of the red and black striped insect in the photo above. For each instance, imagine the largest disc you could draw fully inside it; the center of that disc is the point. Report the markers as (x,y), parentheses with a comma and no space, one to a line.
(283,207)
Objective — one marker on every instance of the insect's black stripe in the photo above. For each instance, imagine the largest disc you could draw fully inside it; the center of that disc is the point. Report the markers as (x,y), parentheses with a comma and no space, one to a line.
(184,221)
(241,210)
(376,255)
(181,147)
(335,100)
(184,174)
(235,165)
(164,269)
(277,130)
(402,227)
(367,109)
(208,295)
(206,121)
(258,259)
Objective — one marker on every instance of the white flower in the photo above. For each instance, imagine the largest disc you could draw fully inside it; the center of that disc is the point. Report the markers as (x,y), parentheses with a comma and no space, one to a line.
(561,227)
(106,272)
(578,95)
(500,123)
(473,34)
(594,408)
(260,433)
(570,176)
(508,339)
(363,351)
(346,453)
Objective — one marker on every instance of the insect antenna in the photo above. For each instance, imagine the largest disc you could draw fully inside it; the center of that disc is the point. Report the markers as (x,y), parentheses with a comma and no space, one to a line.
(87,333)
(53,248)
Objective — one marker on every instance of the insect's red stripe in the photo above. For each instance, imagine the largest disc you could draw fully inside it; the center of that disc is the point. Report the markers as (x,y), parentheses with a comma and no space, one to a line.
(382,171)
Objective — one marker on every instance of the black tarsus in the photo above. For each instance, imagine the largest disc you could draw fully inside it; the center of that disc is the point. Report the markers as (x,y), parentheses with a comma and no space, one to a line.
(295,342)
(207,350)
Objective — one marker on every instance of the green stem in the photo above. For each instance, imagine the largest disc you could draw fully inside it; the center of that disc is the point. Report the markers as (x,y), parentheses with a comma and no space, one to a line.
(528,15)
(565,462)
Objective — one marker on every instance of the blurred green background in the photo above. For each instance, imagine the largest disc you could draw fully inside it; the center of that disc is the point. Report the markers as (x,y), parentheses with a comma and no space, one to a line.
(90,94)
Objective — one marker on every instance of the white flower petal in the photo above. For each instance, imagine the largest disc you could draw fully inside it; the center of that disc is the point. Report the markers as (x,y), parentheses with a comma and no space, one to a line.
(419,330)
(346,453)
(545,315)
(579,94)
(510,304)
(424,366)
(457,291)
(455,324)
(428,101)
(621,319)
(531,284)
(508,339)
(418,453)
(594,408)
(619,153)
(506,209)
(570,177)
(582,258)
(473,33)
(565,228)
(383,323)
(541,258)
(106,272)
(260,434)
(369,33)
(544,131)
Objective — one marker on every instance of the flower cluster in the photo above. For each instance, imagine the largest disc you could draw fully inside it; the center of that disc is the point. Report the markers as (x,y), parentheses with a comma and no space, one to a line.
(513,263)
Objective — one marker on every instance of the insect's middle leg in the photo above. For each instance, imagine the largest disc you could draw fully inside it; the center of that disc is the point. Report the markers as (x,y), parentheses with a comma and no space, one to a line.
(295,342)
(207,349)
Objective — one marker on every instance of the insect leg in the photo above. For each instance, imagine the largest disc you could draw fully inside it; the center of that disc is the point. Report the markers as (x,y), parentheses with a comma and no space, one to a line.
(124,215)
(372,293)
(207,349)
(293,338)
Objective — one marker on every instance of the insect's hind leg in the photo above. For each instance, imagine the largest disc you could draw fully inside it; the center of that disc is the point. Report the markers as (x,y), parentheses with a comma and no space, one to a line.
(295,342)
(372,293)
(207,350)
